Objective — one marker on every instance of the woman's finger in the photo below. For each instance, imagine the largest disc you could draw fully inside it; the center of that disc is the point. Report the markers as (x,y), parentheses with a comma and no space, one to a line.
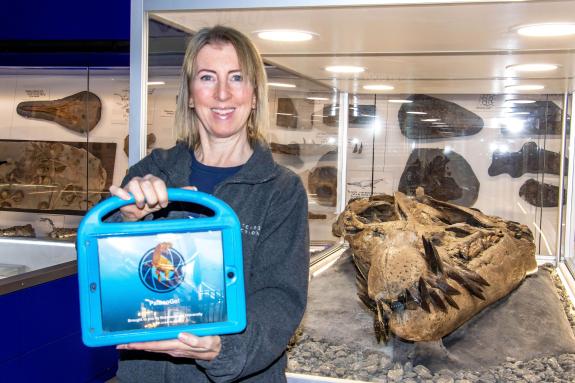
(150,195)
(161,191)
(119,192)
(134,187)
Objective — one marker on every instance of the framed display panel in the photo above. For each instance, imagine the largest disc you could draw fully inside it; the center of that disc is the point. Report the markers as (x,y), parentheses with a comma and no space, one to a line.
(60,145)
(177,275)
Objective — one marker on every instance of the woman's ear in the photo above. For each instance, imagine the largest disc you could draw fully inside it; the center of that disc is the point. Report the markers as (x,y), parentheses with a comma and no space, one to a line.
(254,101)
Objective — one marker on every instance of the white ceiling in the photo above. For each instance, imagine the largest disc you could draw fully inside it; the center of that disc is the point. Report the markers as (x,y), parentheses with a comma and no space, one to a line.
(438,48)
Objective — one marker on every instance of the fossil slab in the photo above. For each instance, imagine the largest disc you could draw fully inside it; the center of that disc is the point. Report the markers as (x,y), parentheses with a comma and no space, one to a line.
(530,159)
(42,175)
(26,231)
(79,112)
(540,194)
(445,176)
(538,118)
(150,142)
(322,180)
(425,266)
(62,233)
(431,117)
(358,115)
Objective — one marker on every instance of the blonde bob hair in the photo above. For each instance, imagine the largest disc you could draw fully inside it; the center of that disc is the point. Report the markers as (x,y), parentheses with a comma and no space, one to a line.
(252,67)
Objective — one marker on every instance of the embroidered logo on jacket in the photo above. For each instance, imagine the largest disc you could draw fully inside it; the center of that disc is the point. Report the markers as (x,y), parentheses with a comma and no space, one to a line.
(251,229)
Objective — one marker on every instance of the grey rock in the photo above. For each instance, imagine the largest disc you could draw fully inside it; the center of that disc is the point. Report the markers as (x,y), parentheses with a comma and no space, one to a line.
(423,372)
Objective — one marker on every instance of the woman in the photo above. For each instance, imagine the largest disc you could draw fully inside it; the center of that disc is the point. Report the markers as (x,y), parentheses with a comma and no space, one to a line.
(222,109)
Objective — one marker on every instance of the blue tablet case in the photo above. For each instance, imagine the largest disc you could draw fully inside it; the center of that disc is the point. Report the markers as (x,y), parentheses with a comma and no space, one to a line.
(151,280)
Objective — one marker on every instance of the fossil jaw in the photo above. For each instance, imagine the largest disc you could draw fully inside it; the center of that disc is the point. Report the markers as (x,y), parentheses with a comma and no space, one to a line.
(425,267)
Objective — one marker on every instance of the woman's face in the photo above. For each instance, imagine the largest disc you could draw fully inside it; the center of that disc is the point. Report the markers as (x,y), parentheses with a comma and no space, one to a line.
(222,97)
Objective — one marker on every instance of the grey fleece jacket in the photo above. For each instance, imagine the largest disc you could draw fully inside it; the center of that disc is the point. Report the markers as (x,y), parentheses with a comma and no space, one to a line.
(271,204)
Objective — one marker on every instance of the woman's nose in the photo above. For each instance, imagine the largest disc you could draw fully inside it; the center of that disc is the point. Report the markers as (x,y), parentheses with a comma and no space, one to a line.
(222,91)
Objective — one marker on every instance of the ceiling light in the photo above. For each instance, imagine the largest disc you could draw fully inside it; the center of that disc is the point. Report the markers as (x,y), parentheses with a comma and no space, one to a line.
(317,98)
(281,85)
(378,87)
(156,83)
(345,69)
(430,119)
(540,67)
(285,35)
(547,30)
(524,87)
(415,112)
(400,101)
(520,101)
(516,113)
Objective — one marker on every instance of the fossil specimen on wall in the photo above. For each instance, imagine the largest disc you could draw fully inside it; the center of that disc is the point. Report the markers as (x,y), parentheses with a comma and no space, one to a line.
(79,112)
(150,142)
(425,266)
(538,118)
(430,117)
(286,115)
(294,154)
(322,180)
(26,231)
(359,115)
(41,175)
(530,159)
(62,233)
(540,194)
(445,176)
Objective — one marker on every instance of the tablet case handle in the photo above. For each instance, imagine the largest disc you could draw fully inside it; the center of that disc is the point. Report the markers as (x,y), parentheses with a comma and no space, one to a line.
(105,207)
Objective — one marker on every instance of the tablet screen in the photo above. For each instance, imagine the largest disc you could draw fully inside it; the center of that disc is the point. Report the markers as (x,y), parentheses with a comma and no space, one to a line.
(161,280)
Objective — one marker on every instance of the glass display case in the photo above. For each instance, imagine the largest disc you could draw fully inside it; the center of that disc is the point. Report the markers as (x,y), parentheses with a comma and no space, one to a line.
(384,97)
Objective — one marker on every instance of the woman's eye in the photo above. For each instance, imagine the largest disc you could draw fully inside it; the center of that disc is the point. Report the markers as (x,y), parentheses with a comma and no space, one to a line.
(237,77)
(206,77)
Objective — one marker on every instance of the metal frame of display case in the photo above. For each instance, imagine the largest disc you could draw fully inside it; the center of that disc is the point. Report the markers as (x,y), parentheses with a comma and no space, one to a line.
(566,271)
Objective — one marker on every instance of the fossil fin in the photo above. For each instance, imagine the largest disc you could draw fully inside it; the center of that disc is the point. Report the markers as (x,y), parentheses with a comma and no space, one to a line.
(432,256)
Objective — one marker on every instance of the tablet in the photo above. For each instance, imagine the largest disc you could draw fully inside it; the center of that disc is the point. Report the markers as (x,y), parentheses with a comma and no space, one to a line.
(151,280)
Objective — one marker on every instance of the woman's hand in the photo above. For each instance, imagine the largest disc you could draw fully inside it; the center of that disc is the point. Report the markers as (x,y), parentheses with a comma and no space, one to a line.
(150,194)
(185,346)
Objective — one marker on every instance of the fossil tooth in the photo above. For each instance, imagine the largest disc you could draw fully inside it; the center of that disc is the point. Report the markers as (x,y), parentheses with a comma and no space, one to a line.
(441,284)
(432,257)
(424,293)
(414,294)
(437,301)
(451,301)
(468,284)
(79,112)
